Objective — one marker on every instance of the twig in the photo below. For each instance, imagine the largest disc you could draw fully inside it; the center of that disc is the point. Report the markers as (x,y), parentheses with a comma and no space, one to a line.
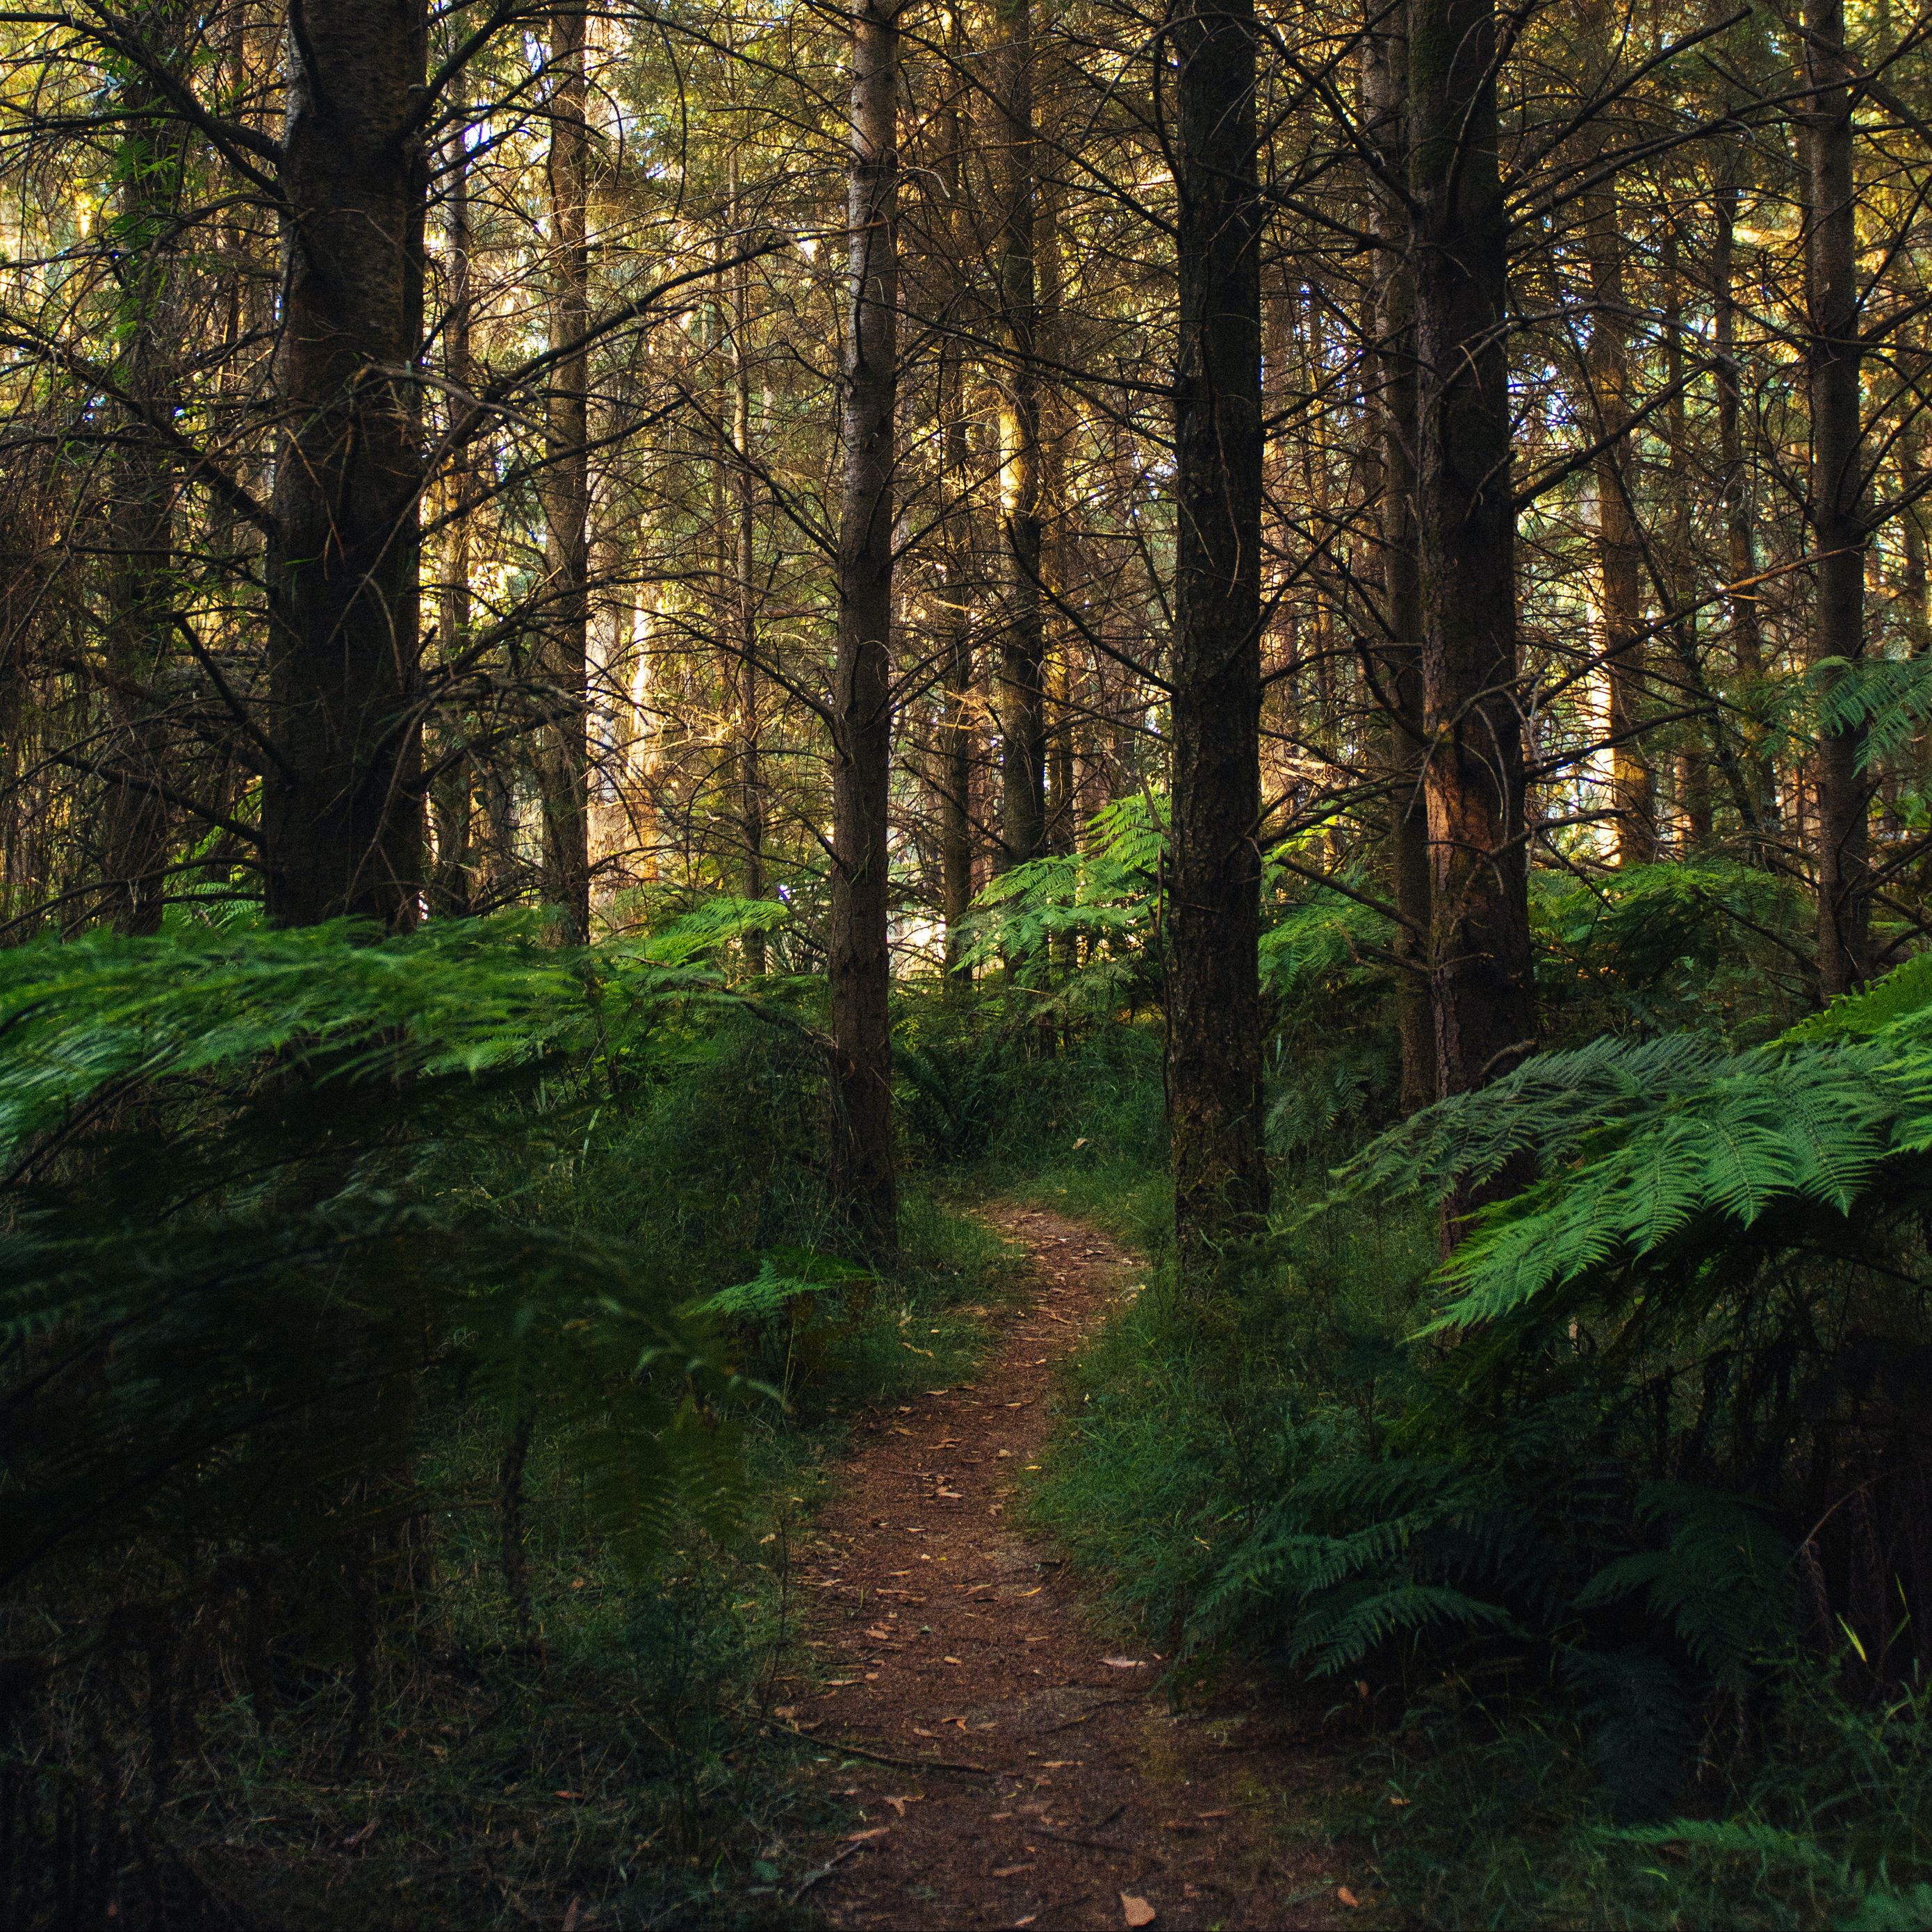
(1068,1838)
(898,1763)
(825,1870)
(1092,1710)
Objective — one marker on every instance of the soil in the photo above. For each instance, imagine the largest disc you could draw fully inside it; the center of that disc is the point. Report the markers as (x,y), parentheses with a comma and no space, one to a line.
(1036,1772)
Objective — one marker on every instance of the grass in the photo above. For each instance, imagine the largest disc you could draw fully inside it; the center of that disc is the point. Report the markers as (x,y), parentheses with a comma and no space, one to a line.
(1079,1128)
(1475,1806)
(616,1761)
(1175,1435)
(1477,1814)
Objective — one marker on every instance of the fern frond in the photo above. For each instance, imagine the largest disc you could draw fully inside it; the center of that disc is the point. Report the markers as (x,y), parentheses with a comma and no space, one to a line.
(1751,1838)
(1753,1130)
(1723,1582)
(1338,1636)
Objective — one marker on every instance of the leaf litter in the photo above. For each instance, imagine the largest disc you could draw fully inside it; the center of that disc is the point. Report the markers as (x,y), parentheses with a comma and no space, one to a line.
(1009,1653)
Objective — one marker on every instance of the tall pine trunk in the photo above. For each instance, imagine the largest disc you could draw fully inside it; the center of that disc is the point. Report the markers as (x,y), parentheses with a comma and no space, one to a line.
(140,584)
(562,749)
(452,792)
(341,808)
(954,775)
(1212,887)
(1619,554)
(1705,737)
(1385,91)
(1466,527)
(1837,498)
(1020,692)
(745,575)
(1758,802)
(862,693)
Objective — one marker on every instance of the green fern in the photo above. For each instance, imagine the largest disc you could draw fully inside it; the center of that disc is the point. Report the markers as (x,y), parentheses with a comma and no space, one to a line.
(264,1199)
(1889,700)
(1885,1909)
(1723,1583)
(1104,893)
(1654,1151)
(772,1291)
(103,1011)
(1639,1726)
(1758,1131)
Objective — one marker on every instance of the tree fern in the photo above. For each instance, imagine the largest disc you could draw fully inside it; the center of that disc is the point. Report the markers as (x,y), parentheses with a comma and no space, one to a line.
(463,995)
(1639,1721)
(1889,700)
(259,1210)
(1758,1131)
(1723,1582)
(1653,1151)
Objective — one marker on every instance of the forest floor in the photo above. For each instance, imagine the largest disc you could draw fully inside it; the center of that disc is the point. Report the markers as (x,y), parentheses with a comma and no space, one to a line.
(1023,1764)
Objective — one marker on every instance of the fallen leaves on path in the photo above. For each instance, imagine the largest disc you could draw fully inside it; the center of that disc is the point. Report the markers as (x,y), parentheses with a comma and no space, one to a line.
(1023,1658)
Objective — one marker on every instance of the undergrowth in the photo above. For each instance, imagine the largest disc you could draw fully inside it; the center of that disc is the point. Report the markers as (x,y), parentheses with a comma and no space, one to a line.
(614,1748)
(405,1448)
(998,1099)
(1605,1544)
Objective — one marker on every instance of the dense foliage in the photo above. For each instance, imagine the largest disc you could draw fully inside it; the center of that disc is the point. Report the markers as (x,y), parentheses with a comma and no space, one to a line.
(1617,1517)
(644,648)
(374,1368)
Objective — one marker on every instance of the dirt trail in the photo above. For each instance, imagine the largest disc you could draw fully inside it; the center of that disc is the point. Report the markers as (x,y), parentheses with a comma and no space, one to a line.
(951,1635)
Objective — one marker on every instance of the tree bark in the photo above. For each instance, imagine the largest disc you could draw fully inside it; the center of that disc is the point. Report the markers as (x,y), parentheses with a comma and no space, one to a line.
(1759,800)
(860,969)
(1703,734)
(1619,554)
(341,810)
(1481,987)
(140,638)
(1912,542)
(955,784)
(1917,764)
(1212,887)
(562,750)
(744,574)
(452,804)
(1385,69)
(1022,698)
(1836,506)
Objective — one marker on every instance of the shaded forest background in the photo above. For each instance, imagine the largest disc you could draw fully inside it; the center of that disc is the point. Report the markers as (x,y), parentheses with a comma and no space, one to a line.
(644,649)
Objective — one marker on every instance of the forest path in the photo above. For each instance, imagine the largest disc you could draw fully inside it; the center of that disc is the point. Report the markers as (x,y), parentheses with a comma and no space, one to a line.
(1078,1798)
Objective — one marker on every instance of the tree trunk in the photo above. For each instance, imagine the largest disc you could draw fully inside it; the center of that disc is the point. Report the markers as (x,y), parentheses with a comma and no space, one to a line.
(341,810)
(1060,831)
(1917,764)
(140,586)
(956,730)
(452,803)
(562,751)
(1703,734)
(860,969)
(1619,555)
(1912,542)
(1483,1001)
(745,572)
(1022,705)
(1740,532)
(1213,888)
(954,774)
(1385,68)
(1836,506)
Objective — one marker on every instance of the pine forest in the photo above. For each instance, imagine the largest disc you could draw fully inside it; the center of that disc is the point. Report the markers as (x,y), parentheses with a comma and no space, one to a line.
(965,963)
